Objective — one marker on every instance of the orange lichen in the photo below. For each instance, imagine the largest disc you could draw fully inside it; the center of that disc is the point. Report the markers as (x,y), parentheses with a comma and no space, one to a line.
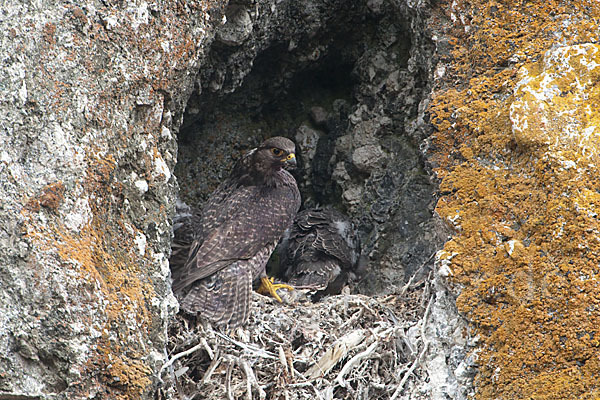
(49,32)
(103,254)
(517,151)
(51,197)
(94,232)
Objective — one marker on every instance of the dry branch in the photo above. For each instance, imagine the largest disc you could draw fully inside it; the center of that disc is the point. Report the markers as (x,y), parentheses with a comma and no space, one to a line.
(339,349)
(360,345)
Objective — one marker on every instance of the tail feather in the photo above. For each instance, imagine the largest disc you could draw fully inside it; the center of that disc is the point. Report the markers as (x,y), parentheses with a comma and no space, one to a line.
(223,298)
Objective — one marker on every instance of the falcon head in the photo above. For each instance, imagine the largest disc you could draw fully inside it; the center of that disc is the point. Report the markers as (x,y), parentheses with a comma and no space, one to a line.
(276,153)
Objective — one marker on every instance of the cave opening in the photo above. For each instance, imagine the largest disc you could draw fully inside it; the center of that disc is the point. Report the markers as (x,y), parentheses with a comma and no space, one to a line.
(349,95)
(349,83)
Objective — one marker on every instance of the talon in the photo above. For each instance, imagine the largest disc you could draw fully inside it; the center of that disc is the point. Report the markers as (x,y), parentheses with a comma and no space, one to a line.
(267,287)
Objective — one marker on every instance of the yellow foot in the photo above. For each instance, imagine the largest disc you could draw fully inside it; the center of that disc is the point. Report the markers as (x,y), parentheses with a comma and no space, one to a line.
(267,287)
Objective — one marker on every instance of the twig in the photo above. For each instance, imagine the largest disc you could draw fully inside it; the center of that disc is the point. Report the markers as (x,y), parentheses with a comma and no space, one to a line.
(300,384)
(210,352)
(179,355)
(427,288)
(212,367)
(289,357)
(425,316)
(295,372)
(282,358)
(248,383)
(317,392)
(378,386)
(352,319)
(402,335)
(409,372)
(417,359)
(251,380)
(256,350)
(407,286)
(356,359)
(181,371)
(228,381)
(340,348)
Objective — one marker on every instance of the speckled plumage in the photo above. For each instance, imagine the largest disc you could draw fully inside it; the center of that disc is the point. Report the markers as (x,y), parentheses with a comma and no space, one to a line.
(319,251)
(235,235)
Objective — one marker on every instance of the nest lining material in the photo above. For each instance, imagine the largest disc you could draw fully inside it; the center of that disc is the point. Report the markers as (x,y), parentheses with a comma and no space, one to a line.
(344,347)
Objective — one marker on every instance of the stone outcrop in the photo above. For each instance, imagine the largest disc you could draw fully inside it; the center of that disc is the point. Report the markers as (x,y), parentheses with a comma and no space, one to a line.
(516,147)
(351,85)
(92,97)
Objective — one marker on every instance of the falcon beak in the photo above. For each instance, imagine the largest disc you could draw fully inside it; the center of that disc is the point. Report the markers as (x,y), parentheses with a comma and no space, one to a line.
(290,160)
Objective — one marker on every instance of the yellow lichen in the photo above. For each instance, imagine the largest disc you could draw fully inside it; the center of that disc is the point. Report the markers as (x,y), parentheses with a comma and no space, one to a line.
(103,254)
(517,150)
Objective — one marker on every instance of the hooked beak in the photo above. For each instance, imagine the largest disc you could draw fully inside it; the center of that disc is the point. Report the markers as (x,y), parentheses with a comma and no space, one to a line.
(290,161)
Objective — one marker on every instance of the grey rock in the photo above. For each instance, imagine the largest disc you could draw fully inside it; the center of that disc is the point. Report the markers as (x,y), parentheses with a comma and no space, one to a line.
(318,115)
(451,361)
(307,140)
(93,97)
(90,95)
(358,76)
(366,158)
(237,28)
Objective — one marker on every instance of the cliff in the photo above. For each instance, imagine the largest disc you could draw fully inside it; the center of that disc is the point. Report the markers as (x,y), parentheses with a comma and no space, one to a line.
(517,153)
(92,96)
(459,136)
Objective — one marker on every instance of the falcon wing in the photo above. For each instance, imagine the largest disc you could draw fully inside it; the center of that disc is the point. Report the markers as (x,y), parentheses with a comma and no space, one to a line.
(236,227)
(186,223)
(327,231)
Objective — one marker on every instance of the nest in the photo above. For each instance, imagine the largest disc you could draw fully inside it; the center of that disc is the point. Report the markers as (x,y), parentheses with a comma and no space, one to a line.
(344,347)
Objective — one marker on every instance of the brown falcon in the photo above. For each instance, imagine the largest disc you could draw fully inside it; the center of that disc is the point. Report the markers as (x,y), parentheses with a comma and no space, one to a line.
(320,250)
(234,235)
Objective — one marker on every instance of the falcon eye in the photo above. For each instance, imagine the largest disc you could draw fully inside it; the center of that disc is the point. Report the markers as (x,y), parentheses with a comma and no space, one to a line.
(277,152)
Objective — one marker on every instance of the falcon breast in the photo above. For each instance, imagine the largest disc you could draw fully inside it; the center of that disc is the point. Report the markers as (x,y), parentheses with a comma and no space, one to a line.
(320,250)
(220,251)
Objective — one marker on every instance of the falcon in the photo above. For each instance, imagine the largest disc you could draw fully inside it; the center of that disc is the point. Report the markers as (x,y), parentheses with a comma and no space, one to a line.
(234,236)
(320,251)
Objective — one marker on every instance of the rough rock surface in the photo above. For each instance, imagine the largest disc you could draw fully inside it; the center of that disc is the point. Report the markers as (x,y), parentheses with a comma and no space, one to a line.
(350,83)
(516,147)
(386,98)
(92,95)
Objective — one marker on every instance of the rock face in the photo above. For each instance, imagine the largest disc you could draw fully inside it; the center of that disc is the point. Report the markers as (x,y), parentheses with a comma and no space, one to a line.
(521,189)
(92,96)
(350,82)
(386,99)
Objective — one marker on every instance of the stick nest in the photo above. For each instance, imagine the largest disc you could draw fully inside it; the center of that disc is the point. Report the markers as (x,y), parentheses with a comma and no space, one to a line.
(344,347)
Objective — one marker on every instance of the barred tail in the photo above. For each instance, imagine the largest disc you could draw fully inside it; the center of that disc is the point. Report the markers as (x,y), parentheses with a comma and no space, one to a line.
(223,298)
